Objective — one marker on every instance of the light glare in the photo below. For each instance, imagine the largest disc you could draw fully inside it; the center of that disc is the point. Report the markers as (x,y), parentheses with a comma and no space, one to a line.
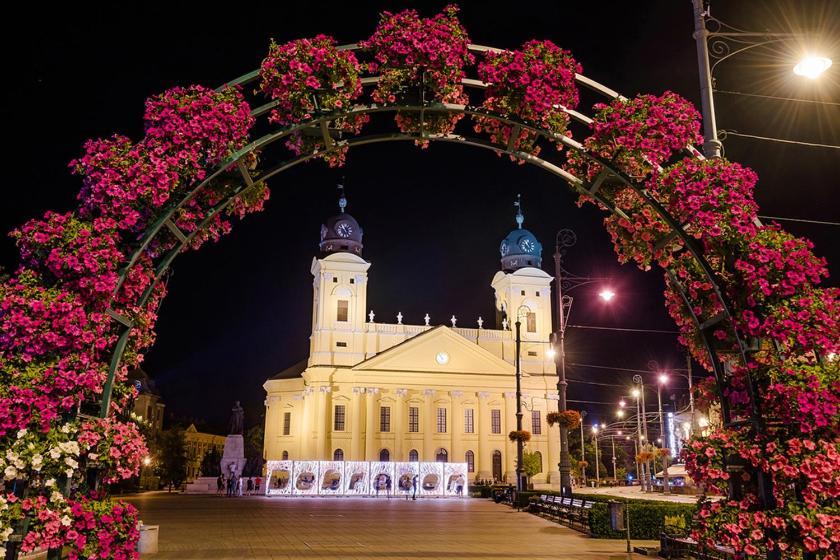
(606,294)
(812,67)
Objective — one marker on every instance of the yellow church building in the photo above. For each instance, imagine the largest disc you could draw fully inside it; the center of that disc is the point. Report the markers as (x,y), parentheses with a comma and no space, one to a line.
(379,391)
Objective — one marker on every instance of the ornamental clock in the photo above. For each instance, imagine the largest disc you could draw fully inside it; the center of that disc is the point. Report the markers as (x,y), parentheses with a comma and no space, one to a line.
(504,248)
(527,245)
(344,229)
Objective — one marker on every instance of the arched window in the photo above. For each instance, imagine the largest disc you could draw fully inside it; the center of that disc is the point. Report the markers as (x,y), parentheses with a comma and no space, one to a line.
(441,455)
(469,457)
(338,455)
(384,455)
(413,455)
(497,465)
(539,456)
(285,455)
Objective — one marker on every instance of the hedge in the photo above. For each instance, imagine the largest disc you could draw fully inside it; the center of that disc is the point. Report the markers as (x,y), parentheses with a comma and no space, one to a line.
(646,516)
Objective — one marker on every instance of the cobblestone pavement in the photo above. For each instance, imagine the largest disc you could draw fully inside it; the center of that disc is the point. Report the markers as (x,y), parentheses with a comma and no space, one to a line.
(635,493)
(215,527)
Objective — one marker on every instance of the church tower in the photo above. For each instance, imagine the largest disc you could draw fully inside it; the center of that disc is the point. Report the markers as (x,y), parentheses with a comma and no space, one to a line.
(521,287)
(339,292)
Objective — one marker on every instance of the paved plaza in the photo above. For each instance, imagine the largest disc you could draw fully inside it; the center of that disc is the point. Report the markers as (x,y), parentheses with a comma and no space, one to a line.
(216,527)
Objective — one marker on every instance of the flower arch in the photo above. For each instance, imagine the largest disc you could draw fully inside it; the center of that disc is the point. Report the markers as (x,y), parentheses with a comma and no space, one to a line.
(82,306)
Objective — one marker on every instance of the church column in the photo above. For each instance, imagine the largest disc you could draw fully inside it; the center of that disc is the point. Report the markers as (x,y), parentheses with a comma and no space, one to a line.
(553,435)
(305,433)
(510,425)
(399,426)
(456,428)
(321,421)
(484,465)
(429,426)
(370,401)
(356,425)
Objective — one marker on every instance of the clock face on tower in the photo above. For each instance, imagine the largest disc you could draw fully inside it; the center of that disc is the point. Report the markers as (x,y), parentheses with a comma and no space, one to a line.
(344,229)
(504,248)
(527,245)
(442,358)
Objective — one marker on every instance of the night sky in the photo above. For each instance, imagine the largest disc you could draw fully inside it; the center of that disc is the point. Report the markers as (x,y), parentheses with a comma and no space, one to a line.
(239,311)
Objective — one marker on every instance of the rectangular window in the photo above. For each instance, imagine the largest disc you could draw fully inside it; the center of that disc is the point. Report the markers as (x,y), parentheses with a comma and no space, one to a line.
(441,420)
(496,421)
(341,314)
(287,423)
(341,344)
(532,353)
(532,322)
(352,280)
(338,418)
(536,422)
(384,418)
(413,419)
(538,294)
(469,423)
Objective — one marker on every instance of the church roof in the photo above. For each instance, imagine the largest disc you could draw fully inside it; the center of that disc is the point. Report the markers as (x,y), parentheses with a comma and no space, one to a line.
(293,371)
(520,248)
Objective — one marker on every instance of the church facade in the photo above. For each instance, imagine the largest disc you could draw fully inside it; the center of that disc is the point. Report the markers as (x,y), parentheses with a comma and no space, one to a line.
(379,391)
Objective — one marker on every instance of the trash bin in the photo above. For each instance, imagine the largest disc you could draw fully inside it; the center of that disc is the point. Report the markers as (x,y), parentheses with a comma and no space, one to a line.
(617,520)
(148,543)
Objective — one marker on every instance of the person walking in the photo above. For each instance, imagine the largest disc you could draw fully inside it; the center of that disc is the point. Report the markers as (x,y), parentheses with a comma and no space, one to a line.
(220,484)
(257,483)
(414,488)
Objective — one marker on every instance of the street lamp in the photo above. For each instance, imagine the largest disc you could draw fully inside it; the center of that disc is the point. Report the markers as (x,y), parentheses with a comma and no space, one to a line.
(597,461)
(663,379)
(809,67)
(582,451)
(812,66)
(564,239)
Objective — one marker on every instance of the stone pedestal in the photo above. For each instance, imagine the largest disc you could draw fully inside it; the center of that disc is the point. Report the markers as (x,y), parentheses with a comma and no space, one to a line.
(233,458)
(201,485)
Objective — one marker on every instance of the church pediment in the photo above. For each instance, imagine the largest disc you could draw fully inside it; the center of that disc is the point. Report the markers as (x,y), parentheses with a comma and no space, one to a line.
(438,350)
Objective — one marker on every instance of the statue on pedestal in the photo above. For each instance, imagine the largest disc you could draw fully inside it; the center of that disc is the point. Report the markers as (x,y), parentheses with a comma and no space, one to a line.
(237,420)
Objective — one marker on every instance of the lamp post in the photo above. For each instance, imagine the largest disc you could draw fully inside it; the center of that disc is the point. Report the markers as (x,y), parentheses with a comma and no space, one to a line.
(615,470)
(519,466)
(638,394)
(595,441)
(564,239)
(811,66)
(663,379)
(582,450)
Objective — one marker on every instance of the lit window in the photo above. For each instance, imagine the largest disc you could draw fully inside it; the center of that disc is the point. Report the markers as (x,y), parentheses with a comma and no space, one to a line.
(338,418)
(496,421)
(287,423)
(413,419)
(384,418)
(469,424)
(342,312)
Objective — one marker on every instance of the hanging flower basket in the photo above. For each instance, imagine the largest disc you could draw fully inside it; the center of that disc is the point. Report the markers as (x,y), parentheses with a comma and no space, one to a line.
(569,419)
(663,452)
(644,456)
(520,435)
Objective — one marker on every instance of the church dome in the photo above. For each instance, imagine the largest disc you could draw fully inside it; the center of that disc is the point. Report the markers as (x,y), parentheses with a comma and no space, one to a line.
(341,233)
(520,248)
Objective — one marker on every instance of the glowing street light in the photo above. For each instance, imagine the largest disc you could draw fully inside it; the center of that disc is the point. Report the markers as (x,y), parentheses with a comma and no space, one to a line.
(619,413)
(663,378)
(812,67)
(147,461)
(635,393)
(606,294)
(550,353)
(622,403)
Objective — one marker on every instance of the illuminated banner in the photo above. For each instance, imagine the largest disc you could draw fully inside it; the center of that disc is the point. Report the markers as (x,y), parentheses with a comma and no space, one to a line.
(365,478)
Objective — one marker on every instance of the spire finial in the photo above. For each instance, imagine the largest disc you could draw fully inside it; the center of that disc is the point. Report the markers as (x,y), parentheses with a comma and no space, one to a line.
(520,217)
(342,200)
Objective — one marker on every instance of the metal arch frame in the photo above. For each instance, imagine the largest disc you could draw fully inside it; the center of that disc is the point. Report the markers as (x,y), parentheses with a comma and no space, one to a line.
(321,121)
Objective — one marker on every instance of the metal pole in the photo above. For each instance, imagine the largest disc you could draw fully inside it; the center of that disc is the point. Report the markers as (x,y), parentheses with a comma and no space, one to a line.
(642,481)
(519,466)
(582,449)
(597,462)
(712,146)
(615,471)
(690,390)
(665,487)
(565,465)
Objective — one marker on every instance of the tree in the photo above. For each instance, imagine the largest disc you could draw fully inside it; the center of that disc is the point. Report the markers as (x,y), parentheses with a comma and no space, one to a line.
(531,464)
(172,465)
(211,463)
